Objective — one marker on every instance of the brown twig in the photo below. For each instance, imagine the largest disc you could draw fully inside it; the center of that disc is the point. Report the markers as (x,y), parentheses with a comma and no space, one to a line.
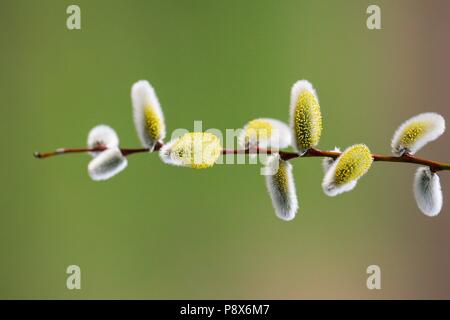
(407,158)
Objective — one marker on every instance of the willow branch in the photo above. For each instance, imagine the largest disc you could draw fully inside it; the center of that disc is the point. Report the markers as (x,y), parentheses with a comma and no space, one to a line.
(311,153)
(61,151)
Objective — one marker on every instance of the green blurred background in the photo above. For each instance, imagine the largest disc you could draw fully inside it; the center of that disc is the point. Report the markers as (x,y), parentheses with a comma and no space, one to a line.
(156,231)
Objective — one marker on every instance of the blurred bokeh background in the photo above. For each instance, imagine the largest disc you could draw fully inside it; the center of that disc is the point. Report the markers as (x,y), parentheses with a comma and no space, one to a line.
(157,232)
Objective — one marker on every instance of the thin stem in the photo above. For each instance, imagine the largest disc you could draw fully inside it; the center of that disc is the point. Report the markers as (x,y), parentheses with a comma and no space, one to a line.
(406,158)
(311,153)
(61,151)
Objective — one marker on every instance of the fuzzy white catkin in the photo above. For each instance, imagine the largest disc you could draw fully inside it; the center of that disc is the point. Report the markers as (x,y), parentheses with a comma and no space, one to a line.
(298,88)
(107,164)
(102,135)
(198,150)
(305,116)
(427,191)
(331,189)
(147,114)
(265,133)
(166,153)
(281,187)
(343,174)
(416,132)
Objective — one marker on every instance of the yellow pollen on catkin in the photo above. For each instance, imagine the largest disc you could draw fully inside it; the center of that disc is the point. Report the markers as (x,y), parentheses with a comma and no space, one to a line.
(198,150)
(353,164)
(281,177)
(259,129)
(153,123)
(307,121)
(413,132)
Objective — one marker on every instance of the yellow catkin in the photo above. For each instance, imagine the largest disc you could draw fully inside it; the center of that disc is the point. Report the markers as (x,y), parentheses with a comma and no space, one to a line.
(198,150)
(353,164)
(307,121)
(259,129)
(281,178)
(153,123)
(413,132)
